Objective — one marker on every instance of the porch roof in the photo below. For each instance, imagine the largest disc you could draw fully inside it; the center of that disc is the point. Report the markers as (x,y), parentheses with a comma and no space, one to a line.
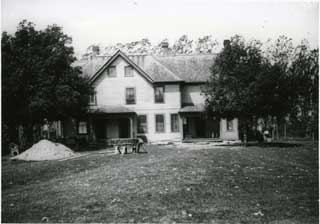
(117,109)
(197,108)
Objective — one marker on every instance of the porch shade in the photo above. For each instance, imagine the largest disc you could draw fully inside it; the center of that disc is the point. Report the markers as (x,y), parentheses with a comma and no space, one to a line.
(110,110)
(197,108)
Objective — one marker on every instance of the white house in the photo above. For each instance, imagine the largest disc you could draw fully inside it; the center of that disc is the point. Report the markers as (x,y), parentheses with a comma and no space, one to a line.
(157,98)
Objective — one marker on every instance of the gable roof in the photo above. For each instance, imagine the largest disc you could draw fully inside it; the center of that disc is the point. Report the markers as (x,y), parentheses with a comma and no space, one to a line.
(179,68)
(130,62)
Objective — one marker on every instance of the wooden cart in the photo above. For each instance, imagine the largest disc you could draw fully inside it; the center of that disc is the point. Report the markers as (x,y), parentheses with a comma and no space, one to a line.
(121,145)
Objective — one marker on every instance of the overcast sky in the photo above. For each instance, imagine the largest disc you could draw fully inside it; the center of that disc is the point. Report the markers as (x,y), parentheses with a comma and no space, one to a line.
(112,21)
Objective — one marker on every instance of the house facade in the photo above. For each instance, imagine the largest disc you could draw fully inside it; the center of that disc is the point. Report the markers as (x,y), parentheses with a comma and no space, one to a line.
(157,98)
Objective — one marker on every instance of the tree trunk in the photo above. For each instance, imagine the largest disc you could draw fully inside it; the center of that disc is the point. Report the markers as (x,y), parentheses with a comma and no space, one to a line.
(245,137)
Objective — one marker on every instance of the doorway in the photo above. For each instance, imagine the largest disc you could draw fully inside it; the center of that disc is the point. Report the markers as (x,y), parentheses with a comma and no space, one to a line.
(124,128)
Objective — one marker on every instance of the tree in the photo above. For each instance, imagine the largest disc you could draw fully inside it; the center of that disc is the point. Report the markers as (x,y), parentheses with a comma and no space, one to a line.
(249,83)
(183,45)
(206,45)
(38,80)
(231,90)
(304,74)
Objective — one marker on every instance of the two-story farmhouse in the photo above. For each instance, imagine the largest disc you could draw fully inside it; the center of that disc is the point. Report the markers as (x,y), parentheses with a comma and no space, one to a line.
(157,98)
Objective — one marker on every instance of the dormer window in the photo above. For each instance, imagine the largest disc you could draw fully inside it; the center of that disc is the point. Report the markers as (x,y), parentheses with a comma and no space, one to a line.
(159,94)
(112,72)
(128,71)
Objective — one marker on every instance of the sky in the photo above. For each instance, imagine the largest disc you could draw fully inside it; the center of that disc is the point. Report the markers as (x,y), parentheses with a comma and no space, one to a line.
(112,21)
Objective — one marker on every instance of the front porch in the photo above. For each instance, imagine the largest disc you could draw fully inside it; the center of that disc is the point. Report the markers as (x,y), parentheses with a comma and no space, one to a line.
(111,122)
(197,126)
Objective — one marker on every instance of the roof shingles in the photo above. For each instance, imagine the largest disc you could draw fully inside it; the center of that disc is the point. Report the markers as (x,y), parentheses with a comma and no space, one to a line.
(188,68)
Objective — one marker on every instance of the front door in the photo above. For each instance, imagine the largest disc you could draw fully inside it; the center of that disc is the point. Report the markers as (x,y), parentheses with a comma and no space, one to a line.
(100,129)
(124,128)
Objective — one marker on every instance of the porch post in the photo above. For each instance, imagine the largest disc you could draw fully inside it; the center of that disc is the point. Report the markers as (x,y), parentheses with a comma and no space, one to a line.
(91,130)
(181,125)
(131,127)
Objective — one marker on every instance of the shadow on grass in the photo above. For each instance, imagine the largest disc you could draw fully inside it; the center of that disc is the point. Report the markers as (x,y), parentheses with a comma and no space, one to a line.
(267,144)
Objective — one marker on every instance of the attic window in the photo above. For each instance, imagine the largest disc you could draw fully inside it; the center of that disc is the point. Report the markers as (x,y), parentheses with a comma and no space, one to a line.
(128,72)
(112,72)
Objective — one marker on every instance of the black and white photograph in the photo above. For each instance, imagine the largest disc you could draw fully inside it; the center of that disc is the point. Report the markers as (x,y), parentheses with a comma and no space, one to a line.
(171,111)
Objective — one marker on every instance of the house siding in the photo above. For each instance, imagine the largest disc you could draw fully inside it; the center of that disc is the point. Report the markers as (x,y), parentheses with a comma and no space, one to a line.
(111,91)
(191,94)
(226,134)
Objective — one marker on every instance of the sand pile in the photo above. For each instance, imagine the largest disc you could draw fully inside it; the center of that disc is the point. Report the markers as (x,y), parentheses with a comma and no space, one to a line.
(45,150)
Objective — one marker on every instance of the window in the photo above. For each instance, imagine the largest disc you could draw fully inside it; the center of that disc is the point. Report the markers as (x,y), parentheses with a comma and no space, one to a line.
(142,124)
(229,124)
(130,96)
(160,123)
(174,123)
(93,99)
(128,71)
(112,72)
(82,128)
(159,94)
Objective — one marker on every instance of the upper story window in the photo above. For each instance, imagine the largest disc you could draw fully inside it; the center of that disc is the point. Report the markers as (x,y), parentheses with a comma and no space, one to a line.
(130,96)
(229,124)
(93,99)
(159,94)
(128,71)
(112,72)
(142,124)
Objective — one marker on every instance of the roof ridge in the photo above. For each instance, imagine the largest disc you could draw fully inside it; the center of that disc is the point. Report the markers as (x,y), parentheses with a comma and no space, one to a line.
(177,77)
(183,55)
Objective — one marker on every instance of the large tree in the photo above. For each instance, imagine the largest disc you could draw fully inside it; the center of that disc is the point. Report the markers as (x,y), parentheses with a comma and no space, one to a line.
(250,83)
(231,89)
(38,80)
(304,73)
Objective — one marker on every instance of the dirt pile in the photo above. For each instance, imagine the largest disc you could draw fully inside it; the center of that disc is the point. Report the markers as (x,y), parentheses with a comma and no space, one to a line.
(45,150)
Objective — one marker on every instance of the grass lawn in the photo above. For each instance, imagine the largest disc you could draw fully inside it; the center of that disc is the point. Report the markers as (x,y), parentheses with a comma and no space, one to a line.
(167,184)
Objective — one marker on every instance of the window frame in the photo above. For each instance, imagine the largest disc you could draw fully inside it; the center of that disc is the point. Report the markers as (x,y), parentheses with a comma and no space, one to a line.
(125,69)
(135,96)
(94,98)
(229,121)
(86,125)
(109,74)
(159,86)
(171,126)
(164,123)
(146,124)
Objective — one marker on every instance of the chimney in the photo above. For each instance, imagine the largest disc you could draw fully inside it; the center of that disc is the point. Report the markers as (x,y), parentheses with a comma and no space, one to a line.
(164,44)
(95,50)
(226,43)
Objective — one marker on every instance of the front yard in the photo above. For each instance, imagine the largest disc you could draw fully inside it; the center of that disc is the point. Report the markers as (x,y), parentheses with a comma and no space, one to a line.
(167,184)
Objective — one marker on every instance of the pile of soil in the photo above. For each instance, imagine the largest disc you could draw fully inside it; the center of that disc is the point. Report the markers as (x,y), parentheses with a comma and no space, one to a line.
(45,150)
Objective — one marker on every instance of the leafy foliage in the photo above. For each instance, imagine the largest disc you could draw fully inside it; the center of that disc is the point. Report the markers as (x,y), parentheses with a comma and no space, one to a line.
(232,86)
(278,82)
(183,45)
(38,80)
